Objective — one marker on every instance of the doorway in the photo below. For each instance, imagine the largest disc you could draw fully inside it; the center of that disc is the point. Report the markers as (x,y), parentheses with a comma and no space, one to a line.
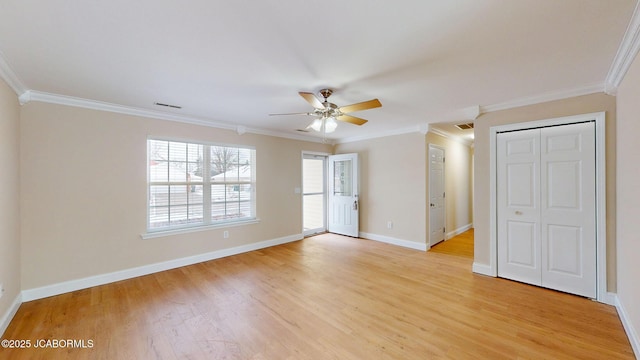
(436,195)
(314,194)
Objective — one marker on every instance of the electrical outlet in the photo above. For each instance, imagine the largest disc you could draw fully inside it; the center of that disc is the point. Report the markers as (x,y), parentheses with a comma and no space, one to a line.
(389,224)
(225,234)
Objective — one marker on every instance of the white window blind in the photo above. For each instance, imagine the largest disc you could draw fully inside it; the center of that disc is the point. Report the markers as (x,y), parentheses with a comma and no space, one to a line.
(194,184)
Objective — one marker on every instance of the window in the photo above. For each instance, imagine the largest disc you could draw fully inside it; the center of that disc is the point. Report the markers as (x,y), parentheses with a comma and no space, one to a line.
(197,184)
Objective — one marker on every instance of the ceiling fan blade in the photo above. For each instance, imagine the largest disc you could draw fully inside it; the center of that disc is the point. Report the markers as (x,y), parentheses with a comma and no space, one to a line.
(351,119)
(312,99)
(300,113)
(361,106)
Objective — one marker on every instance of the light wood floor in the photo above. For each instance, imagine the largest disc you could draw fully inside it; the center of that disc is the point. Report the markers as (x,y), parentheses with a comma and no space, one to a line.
(326,297)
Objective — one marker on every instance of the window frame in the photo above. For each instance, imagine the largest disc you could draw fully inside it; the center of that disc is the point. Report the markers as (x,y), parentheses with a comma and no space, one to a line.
(207,184)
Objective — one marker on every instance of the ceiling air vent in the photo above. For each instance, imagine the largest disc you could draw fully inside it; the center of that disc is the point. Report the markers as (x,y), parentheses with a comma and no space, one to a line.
(466,126)
(168,105)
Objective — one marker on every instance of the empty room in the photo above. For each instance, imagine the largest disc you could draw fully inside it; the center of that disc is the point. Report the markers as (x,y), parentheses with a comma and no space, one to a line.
(329,180)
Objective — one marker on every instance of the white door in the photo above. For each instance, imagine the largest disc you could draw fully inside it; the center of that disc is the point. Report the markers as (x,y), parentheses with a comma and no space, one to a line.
(436,195)
(518,206)
(314,193)
(343,194)
(568,218)
(546,207)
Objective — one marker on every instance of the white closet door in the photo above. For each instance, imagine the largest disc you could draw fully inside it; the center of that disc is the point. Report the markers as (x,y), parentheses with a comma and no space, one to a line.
(568,215)
(546,207)
(519,206)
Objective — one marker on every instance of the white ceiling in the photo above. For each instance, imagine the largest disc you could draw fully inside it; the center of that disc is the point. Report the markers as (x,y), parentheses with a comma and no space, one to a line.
(234,62)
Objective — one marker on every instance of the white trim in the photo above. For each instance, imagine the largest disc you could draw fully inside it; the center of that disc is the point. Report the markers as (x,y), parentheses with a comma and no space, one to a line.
(458,231)
(8,75)
(482,269)
(394,241)
(610,299)
(627,52)
(601,190)
(545,97)
(632,333)
(11,312)
(73,285)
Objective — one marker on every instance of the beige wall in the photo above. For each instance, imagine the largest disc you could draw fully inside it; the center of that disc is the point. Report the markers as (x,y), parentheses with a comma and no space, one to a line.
(628,205)
(9,199)
(458,181)
(572,106)
(392,186)
(83,192)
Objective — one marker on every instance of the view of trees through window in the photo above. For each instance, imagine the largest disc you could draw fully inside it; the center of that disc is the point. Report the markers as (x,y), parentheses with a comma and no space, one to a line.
(194,184)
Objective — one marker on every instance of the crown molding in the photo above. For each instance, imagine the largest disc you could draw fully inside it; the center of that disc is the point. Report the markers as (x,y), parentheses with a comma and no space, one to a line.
(627,52)
(10,77)
(545,97)
(31,95)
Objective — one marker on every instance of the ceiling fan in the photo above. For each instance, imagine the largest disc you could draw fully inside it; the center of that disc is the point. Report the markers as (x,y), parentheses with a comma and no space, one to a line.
(327,113)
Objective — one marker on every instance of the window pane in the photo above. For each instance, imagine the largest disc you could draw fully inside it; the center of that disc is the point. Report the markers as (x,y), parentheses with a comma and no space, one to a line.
(195,213)
(158,150)
(158,217)
(159,196)
(244,156)
(158,171)
(178,215)
(233,210)
(313,176)
(313,211)
(177,151)
(218,193)
(342,178)
(223,161)
(178,195)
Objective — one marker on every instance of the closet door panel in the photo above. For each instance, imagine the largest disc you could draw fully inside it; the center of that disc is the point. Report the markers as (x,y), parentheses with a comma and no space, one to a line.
(519,206)
(568,218)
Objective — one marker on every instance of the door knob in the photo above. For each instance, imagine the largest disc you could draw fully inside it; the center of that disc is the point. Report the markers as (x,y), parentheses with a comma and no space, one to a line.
(518,212)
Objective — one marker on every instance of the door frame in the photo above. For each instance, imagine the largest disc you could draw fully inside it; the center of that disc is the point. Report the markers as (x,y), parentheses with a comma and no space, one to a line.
(326,190)
(601,189)
(444,205)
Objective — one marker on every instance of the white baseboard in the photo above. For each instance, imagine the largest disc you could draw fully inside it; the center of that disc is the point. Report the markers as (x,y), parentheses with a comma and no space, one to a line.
(11,312)
(482,269)
(458,231)
(73,285)
(632,333)
(394,241)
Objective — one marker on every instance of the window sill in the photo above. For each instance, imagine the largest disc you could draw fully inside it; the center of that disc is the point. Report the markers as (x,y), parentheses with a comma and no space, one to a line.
(186,230)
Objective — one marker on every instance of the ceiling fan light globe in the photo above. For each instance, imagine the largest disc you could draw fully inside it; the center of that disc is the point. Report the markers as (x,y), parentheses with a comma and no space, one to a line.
(330,125)
(316,125)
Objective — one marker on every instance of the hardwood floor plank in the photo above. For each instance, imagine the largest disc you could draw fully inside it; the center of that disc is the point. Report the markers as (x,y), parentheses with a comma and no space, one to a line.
(325,297)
